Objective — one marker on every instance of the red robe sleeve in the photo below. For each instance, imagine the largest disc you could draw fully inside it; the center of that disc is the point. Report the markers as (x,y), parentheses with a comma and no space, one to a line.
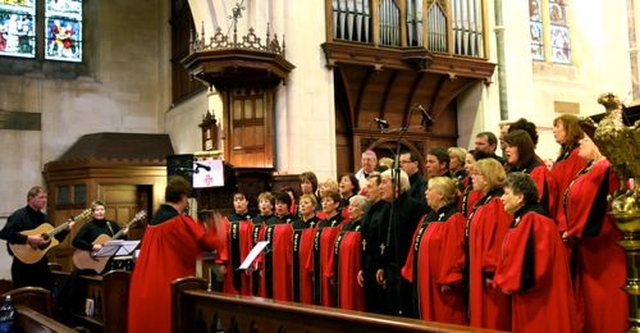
(407,270)
(453,257)
(493,233)
(587,195)
(544,182)
(562,173)
(223,252)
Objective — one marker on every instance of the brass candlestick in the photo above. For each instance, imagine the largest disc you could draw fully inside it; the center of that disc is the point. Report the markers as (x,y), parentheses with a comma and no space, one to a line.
(621,145)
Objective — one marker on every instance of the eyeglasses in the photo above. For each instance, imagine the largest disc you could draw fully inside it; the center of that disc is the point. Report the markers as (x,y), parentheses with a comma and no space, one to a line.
(405,162)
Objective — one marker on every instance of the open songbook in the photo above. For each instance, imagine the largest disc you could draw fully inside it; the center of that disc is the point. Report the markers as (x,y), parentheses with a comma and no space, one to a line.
(260,246)
(117,248)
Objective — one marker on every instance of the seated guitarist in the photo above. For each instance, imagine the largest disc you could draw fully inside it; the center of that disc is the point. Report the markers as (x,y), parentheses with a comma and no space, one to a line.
(97,226)
(28,218)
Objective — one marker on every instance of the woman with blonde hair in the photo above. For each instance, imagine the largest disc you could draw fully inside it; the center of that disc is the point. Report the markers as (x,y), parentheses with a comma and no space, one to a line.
(457,157)
(439,230)
(486,227)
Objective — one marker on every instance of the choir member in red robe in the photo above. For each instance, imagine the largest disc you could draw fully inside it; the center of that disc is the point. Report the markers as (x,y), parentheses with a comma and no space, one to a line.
(169,251)
(345,259)
(308,185)
(469,196)
(238,230)
(348,186)
(521,157)
(441,228)
(275,277)
(486,228)
(265,217)
(302,245)
(326,232)
(567,133)
(600,264)
(533,268)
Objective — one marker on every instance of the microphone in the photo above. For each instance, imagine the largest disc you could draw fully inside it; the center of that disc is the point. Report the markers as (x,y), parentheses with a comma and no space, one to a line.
(197,166)
(426,117)
(203,166)
(382,123)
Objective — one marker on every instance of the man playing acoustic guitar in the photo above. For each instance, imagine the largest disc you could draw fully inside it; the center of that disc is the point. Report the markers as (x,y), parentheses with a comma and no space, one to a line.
(24,219)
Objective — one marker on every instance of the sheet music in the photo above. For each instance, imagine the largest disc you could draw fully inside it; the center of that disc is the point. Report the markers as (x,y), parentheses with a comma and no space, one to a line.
(253,254)
(117,248)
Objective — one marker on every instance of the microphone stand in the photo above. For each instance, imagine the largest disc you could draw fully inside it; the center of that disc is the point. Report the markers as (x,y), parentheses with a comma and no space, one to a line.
(394,209)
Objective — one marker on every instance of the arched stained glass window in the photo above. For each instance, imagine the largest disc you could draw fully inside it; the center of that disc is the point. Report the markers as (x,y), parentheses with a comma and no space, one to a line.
(549,30)
(17,28)
(560,41)
(63,30)
(536,30)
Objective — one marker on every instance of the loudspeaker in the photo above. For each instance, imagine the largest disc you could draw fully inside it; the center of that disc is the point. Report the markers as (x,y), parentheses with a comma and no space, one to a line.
(180,165)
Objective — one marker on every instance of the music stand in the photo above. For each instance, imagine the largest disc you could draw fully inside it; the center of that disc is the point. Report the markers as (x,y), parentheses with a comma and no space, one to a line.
(117,248)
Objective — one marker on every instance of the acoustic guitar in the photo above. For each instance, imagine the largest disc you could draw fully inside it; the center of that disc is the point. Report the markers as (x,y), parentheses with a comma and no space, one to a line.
(30,254)
(84,259)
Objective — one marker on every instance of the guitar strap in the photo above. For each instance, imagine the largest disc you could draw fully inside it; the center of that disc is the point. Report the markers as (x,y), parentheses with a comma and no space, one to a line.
(110,228)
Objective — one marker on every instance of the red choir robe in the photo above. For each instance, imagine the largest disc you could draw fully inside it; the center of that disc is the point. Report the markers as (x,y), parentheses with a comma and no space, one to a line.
(563,171)
(545,184)
(487,226)
(535,271)
(302,249)
(323,241)
(238,245)
(468,199)
(437,231)
(276,275)
(344,265)
(168,252)
(600,270)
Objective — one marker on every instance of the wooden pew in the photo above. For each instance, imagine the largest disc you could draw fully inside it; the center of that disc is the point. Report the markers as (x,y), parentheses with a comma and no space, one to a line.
(33,310)
(196,310)
(110,295)
(29,320)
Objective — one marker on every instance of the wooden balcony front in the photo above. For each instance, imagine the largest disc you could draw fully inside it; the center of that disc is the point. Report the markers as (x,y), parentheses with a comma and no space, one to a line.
(390,56)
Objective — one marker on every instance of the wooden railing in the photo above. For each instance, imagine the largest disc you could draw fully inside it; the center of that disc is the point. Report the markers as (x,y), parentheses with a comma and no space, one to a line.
(448,26)
(196,310)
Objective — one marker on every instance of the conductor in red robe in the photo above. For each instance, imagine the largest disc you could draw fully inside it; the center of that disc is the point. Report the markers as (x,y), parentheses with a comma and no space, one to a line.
(441,228)
(533,268)
(170,246)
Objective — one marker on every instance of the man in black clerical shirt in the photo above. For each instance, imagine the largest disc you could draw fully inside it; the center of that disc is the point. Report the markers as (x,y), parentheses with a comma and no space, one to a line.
(28,218)
(404,215)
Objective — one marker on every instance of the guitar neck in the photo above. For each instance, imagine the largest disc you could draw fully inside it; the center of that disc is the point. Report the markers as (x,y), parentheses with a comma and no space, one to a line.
(58,229)
(85,213)
(119,233)
(140,215)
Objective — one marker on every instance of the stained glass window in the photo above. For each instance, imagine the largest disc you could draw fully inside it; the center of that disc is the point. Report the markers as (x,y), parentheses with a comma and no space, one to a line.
(63,30)
(536,30)
(560,41)
(17,28)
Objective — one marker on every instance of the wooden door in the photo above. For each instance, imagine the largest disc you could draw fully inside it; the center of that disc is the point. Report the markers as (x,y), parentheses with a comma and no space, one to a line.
(249,124)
